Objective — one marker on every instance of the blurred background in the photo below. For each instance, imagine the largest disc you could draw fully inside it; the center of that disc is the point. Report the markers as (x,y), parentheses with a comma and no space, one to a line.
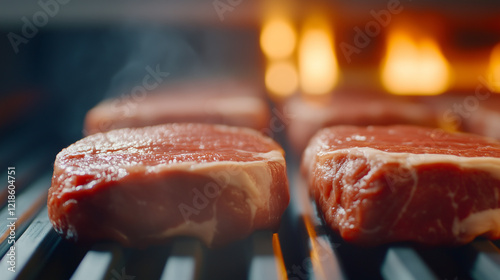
(60,58)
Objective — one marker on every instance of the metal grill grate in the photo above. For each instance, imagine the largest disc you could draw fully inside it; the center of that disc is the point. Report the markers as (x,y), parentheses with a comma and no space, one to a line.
(302,249)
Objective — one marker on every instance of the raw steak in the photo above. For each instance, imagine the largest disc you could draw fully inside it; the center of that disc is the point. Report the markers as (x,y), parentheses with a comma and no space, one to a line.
(309,117)
(478,113)
(484,119)
(405,183)
(143,186)
(219,101)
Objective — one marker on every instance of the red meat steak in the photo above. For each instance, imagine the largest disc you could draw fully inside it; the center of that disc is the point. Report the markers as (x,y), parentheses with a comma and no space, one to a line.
(483,120)
(143,186)
(219,101)
(307,118)
(405,183)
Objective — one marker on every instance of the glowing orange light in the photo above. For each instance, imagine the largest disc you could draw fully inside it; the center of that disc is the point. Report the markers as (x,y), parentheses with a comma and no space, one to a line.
(281,78)
(278,39)
(314,252)
(494,69)
(280,262)
(278,42)
(317,61)
(414,66)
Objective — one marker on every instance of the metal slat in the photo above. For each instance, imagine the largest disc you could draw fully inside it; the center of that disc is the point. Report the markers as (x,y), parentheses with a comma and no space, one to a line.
(97,262)
(403,263)
(33,248)
(325,261)
(184,261)
(26,171)
(264,263)
(486,266)
(27,205)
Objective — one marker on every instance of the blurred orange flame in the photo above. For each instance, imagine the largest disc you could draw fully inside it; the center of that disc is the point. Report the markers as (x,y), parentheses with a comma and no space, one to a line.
(414,66)
(280,262)
(315,250)
(494,69)
(318,66)
(278,38)
(278,41)
(281,78)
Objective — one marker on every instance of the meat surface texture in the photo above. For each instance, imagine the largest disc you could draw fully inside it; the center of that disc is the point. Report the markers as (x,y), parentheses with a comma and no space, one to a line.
(307,117)
(236,103)
(377,185)
(485,119)
(478,113)
(143,186)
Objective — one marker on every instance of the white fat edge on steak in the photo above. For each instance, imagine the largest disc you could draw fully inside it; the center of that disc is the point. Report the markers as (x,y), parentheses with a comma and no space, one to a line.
(253,178)
(231,105)
(485,223)
(487,164)
(243,107)
(205,230)
(473,225)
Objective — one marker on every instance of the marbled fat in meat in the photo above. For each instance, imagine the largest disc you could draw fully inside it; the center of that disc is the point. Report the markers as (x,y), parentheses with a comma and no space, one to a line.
(143,186)
(405,183)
